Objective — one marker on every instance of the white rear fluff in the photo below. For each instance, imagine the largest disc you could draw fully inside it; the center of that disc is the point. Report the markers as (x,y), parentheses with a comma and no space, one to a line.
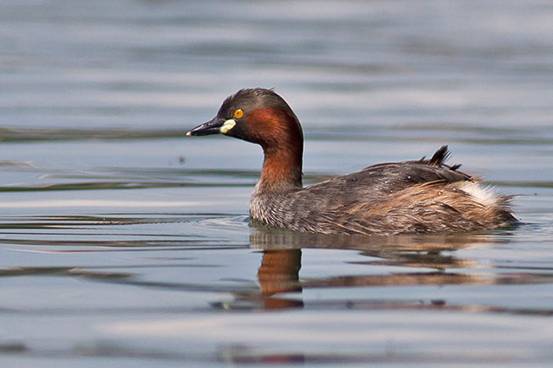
(484,195)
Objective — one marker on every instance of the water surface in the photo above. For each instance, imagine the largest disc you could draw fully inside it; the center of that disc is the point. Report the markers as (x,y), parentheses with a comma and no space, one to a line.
(122,243)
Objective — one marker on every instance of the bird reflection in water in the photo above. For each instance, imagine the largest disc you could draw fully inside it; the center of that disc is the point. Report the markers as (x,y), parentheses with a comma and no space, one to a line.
(277,274)
(280,285)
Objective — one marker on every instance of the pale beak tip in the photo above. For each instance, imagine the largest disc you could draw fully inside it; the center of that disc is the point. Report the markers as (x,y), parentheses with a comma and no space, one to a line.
(189,133)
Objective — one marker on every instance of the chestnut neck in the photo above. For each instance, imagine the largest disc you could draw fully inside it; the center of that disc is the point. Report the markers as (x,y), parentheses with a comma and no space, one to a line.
(279,133)
(282,168)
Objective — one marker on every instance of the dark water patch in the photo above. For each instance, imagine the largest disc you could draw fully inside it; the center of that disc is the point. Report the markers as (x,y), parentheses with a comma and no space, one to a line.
(90,271)
(169,172)
(106,311)
(430,278)
(117,186)
(102,234)
(128,245)
(61,271)
(251,305)
(12,348)
(247,181)
(284,303)
(68,221)
(16,164)
(466,127)
(523,183)
(8,135)
(373,136)
(244,288)
(456,133)
(249,356)
(152,178)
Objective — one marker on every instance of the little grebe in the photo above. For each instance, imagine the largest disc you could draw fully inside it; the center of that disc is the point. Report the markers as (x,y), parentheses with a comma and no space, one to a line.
(424,196)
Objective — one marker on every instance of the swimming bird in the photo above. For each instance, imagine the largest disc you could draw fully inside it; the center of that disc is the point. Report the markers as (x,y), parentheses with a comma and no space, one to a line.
(420,196)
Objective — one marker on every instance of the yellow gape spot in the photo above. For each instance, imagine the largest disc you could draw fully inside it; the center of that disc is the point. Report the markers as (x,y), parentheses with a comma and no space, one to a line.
(238,113)
(227,126)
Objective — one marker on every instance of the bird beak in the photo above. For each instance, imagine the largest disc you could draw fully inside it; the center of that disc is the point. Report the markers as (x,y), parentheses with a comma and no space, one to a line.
(211,127)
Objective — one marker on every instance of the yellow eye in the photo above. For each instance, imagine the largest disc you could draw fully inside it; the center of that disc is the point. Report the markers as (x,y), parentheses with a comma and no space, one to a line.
(238,113)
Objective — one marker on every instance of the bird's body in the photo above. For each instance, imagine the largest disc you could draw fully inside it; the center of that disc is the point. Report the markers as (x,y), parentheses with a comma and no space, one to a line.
(424,196)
